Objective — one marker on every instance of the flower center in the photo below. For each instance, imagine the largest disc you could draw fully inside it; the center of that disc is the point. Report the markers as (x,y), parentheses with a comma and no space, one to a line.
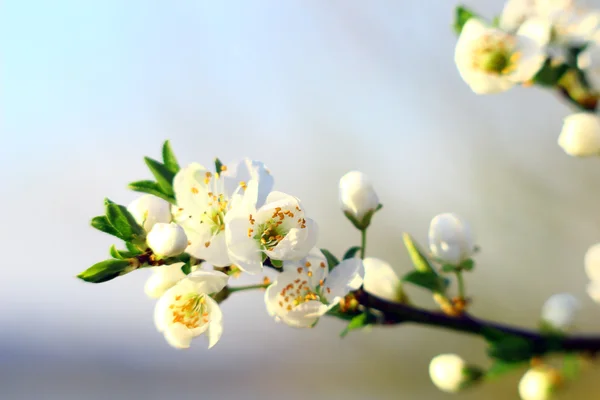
(189,310)
(494,55)
(296,293)
(269,233)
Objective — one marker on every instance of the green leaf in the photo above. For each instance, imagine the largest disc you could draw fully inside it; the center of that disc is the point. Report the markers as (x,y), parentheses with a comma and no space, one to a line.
(169,158)
(162,174)
(500,368)
(461,16)
(151,187)
(550,74)
(123,222)
(122,254)
(332,260)
(218,165)
(417,256)
(511,349)
(133,248)
(186,268)
(351,252)
(101,223)
(427,280)
(105,271)
(277,263)
(357,322)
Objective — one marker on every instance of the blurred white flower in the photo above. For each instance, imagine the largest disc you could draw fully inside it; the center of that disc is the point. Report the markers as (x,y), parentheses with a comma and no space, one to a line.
(357,196)
(592,270)
(538,383)
(167,240)
(580,135)
(560,310)
(381,280)
(186,310)
(490,60)
(447,372)
(279,230)
(165,277)
(589,62)
(148,210)
(450,239)
(305,290)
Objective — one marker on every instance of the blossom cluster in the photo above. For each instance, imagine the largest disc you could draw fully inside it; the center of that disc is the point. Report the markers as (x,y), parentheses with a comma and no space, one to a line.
(550,43)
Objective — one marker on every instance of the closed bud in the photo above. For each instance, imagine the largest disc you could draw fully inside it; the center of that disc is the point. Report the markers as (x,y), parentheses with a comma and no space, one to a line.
(167,240)
(450,373)
(580,135)
(539,383)
(560,310)
(149,210)
(381,280)
(450,239)
(358,198)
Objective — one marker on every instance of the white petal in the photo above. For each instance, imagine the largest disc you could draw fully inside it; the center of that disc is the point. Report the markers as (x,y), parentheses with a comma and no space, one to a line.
(207,281)
(250,170)
(532,59)
(305,315)
(380,279)
(190,189)
(343,279)
(162,313)
(593,290)
(243,251)
(297,243)
(217,253)
(162,279)
(215,326)
(178,336)
(148,210)
(537,29)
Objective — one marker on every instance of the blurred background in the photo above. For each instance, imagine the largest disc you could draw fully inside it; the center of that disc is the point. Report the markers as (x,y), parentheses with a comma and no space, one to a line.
(314,89)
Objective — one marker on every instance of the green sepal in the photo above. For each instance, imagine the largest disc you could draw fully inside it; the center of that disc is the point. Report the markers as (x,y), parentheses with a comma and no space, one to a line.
(501,368)
(550,74)
(364,223)
(335,311)
(123,222)
(122,254)
(218,165)
(162,174)
(169,158)
(471,375)
(101,223)
(427,280)
(351,252)
(332,260)
(151,187)
(106,270)
(448,268)
(461,16)
(277,263)
(360,321)
(186,268)
(467,265)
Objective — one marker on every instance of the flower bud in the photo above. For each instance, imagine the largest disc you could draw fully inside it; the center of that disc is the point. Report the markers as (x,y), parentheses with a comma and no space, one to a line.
(539,383)
(580,135)
(149,210)
(357,197)
(162,279)
(450,373)
(559,311)
(592,262)
(450,239)
(381,280)
(167,240)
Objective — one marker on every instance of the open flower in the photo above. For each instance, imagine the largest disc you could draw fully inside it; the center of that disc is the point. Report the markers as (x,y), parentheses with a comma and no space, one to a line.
(580,135)
(490,60)
(450,239)
(279,230)
(187,309)
(148,210)
(305,290)
(381,280)
(204,199)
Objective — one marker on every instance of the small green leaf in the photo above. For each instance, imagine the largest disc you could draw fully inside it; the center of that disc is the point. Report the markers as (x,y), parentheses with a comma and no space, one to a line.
(332,260)
(467,265)
(448,268)
(162,174)
(461,16)
(511,349)
(123,222)
(105,271)
(101,223)
(169,158)
(122,254)
(133,248)
(277,263)
(108,201)
(218,165)
(417,256)
(351,252)
(357,322)
(345,315)
(151,187)
(427,280)
(550,74)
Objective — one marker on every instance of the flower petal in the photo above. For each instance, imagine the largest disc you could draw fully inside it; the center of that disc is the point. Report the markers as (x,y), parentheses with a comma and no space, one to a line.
(163,278)
(215,325)
(305,315)
(344,278)
(207,282)
(380,279)
(178,336)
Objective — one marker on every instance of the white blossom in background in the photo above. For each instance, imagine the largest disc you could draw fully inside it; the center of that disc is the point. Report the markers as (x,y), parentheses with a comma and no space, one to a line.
(279,230)
(490,60)
(592,270)
(589,62)
(204,199)
(450,239)
(560,310)
(167,240)
(148,210)
(447,372)
(538,383)
(186,310)
(381,280)
(306,290)
(165,277)
(357,195)
(580,135)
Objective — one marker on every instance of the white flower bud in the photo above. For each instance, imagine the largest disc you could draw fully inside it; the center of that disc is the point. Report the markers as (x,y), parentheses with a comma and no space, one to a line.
(167,240)
(149,210)
(450,239)
(538,383)
(559,310)
(357,195)
(381,280)
(592,262)
(447,372)
(580,135)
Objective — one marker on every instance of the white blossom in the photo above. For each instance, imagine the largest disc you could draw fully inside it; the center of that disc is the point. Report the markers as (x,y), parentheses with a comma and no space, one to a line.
(580,135)
(148,210)
(560,310)
(490,60)
(167,240)
(447,372)
(305,290)
(589,62)
(538,383)
(450,239)
(165,277)
(357,195)
(381,280)
(187,310)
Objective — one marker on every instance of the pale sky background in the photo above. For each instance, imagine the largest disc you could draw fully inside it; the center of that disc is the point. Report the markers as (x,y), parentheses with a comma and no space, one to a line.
(314,89)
